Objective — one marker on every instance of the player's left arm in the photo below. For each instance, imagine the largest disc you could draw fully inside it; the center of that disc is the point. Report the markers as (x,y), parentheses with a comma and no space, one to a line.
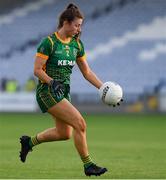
(88,74)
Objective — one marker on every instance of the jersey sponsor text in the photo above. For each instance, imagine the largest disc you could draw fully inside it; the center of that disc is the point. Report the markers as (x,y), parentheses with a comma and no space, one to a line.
(66,62)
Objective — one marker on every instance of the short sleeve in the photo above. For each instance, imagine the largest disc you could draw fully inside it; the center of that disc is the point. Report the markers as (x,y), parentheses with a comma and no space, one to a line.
(81,52)
(44,49)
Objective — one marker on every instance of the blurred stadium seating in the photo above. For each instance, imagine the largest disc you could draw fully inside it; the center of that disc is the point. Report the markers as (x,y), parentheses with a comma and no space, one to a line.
(125,41)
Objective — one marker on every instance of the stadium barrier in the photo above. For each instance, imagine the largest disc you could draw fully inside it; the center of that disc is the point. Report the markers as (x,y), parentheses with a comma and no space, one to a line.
(18,102)
(26,102)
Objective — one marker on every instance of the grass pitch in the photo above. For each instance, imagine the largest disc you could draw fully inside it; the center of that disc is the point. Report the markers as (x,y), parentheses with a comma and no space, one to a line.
(130,146)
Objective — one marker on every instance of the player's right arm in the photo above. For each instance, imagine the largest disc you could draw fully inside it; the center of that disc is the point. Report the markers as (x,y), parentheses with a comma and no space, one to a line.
(43,52)
(57,87)
(38,70)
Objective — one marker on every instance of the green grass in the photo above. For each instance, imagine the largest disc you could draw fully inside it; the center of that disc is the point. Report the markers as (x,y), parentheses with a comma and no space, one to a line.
(130,146)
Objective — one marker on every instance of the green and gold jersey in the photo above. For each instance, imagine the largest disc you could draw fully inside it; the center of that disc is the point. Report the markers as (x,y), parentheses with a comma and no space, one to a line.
(61,56)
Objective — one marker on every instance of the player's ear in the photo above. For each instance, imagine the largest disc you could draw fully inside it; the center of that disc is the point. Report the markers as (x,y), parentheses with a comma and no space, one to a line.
(65,23)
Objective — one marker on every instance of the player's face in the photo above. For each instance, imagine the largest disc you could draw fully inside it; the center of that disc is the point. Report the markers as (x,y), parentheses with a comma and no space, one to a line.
(74,27)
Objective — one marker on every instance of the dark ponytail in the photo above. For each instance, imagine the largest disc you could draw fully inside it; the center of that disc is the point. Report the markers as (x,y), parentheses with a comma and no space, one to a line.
(69,14)
(72,6)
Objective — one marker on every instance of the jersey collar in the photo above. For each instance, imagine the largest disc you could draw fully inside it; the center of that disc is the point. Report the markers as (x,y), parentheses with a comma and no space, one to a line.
(64,42)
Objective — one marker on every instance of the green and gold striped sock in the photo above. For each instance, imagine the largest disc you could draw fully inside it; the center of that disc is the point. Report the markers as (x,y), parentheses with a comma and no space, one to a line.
(33,141)
(87,161)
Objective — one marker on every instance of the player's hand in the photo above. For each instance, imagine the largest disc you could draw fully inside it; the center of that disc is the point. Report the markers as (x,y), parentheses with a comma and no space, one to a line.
(119,103)
(57,87)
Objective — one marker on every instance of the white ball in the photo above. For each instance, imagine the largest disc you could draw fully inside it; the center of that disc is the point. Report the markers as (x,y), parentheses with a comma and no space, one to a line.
(111,93)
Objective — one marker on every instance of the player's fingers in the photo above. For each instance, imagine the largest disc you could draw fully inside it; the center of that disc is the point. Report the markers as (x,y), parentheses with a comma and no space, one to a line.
(57,94)
(61,91)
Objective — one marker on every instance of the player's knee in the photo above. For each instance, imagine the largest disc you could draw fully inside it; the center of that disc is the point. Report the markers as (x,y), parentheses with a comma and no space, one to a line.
(81,125)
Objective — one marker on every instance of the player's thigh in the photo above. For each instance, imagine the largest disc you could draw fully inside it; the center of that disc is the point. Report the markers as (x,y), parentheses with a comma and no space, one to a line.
(66,112)
(62,128)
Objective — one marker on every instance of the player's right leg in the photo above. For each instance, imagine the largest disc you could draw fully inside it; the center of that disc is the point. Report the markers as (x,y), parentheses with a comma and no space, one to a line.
(71,116)
(67,113)
(46,99)
(62,131)
(25,147)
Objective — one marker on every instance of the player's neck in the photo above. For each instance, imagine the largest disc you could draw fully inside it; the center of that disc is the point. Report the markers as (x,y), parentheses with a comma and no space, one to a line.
(61,34)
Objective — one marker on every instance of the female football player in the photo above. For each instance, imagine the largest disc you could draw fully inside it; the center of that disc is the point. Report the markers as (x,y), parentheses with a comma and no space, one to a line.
(55,58)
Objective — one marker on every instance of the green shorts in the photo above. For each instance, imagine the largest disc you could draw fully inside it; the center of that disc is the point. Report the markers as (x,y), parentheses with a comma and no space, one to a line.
(46,98)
